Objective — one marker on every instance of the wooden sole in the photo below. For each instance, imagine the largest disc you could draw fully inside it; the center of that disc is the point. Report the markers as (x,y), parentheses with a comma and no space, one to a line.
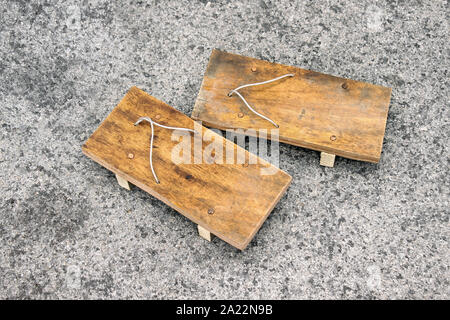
(317,111)
(230,201)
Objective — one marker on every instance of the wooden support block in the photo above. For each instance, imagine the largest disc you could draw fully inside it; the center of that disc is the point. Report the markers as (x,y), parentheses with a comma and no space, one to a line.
(231,200)
(123,182)
(317,111)
(205,234)
(327,159)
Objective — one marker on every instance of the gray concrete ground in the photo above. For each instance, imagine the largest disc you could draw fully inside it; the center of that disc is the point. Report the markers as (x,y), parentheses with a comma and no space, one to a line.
(359,230)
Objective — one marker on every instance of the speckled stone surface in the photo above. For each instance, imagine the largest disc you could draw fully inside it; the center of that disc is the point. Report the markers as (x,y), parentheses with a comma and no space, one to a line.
(357,230)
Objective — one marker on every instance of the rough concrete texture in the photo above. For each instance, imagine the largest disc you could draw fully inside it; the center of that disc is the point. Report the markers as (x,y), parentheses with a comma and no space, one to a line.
(357,230)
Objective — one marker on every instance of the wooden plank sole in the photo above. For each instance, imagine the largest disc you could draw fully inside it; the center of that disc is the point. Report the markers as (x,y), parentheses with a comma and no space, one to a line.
(317,111)
(230,201)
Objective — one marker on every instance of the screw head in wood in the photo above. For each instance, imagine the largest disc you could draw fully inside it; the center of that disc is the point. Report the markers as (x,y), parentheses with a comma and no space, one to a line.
(333,138)
(210,211)
(253,69)
(240,115)
(345,85)
(130,156)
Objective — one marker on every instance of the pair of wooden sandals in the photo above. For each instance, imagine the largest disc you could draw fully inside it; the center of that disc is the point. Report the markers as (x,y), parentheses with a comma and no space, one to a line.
(329,114)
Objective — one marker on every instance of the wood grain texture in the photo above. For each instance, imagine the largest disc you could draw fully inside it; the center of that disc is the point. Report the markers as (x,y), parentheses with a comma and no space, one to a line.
(241,198)
(314,110)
